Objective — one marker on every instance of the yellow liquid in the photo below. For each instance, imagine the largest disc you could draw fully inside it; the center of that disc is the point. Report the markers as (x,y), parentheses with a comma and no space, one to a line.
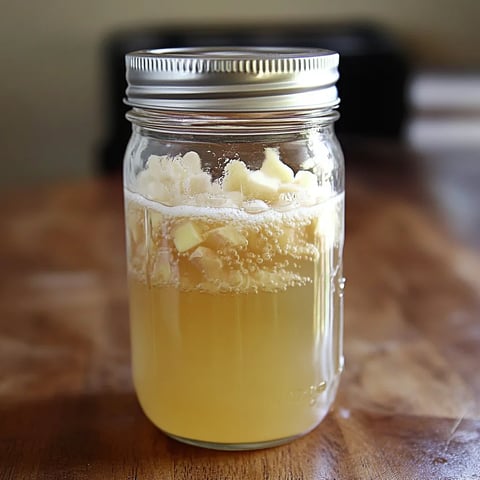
(251,353)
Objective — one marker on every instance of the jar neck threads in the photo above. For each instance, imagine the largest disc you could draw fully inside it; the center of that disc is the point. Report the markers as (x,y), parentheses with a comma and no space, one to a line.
(251,123)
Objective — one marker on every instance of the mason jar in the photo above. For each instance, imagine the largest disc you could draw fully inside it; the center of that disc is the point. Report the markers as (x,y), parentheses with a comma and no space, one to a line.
(234,204)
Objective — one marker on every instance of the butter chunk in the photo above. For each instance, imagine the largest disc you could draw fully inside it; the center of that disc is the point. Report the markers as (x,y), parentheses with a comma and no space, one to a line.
(207,261)
(155,164)
(227,235)
(186,236)
(175,171)
(192,163)
(327,226)
(259,185)
(273,167)
(160,192)
(307,180)
(198,183)
(236,174)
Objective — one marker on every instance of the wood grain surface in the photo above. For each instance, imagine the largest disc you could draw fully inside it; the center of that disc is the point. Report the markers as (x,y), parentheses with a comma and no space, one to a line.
(408,407)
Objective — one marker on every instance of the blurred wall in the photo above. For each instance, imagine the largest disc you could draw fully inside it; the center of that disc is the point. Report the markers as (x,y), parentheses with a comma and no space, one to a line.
(50,82)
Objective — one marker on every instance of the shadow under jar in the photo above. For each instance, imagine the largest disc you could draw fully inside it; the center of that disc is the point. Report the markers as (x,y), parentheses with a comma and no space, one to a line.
(234,203)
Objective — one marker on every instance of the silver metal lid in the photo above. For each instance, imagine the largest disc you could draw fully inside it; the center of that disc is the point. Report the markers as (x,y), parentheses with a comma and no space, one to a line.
(232,79)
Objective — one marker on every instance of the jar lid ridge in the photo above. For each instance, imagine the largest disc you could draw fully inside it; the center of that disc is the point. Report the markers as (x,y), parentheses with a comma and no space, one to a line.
(232,79)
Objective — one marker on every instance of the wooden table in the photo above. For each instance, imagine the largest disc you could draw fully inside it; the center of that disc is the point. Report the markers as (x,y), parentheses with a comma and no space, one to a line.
(409,402)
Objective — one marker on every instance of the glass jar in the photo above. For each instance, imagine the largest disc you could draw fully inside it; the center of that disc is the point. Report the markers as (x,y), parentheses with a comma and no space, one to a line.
(234,201)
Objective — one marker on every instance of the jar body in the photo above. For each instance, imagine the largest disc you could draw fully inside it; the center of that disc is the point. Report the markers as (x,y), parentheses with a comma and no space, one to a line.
(234,245)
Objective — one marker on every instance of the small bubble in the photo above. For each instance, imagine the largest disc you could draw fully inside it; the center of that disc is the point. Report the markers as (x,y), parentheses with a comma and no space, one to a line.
(321,387)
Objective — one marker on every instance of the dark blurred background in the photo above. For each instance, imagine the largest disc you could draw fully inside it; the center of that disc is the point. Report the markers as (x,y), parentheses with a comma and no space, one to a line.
(410,70)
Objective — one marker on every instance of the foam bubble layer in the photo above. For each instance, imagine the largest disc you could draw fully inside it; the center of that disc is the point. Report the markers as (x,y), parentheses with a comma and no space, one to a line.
(228,249)
(252,212)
